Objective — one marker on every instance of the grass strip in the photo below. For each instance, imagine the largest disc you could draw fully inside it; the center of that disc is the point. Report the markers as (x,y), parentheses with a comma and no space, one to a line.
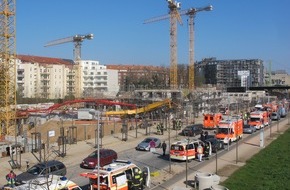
(267,170)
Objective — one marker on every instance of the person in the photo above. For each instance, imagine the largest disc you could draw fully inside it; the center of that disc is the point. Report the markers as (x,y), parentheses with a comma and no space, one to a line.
(137,179)
(164,146)
(206,135)
(152,145)
(202,137)
(207,152)
(11,177)
(199,152)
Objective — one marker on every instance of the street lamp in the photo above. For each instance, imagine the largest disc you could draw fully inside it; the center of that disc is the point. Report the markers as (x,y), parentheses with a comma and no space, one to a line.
(94,113)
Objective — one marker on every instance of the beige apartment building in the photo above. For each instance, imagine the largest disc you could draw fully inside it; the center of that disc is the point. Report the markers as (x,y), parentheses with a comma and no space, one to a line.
(54,78)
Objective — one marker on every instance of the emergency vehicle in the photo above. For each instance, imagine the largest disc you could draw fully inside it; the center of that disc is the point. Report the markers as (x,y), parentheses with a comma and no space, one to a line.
(115,176)
(184,150)
(230,130)
(211,120)
(52,182)
(259,119)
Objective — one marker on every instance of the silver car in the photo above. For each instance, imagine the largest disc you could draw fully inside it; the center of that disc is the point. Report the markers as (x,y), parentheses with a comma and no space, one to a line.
(275,116)
(144,145)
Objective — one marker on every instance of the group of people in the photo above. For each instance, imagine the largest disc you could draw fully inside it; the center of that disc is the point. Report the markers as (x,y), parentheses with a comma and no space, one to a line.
(152,145)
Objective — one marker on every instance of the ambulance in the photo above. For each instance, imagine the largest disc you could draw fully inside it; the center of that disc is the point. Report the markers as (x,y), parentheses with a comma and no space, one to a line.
(230,130)
(185,149)
(211,120)
(52,182)
(259,119)
(115,176)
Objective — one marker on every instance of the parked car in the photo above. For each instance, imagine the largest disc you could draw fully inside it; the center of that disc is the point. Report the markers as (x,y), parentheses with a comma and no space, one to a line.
(144,145)
(52,167)
(192,130)
(275,116)
(216,144)
(107,156)
(249,129)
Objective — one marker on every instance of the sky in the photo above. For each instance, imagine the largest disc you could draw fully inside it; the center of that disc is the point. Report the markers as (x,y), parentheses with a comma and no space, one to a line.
(234,29)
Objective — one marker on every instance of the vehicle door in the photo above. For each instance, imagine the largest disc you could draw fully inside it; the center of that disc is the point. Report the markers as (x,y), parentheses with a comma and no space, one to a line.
(190,151)
(119,181)
(146,176)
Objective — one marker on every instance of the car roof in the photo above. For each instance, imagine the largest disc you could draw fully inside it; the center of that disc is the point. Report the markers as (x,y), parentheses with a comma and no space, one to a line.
(49,163)
(195,125)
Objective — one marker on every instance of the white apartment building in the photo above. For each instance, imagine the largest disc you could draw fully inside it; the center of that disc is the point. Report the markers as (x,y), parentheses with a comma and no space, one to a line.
(54,78)
(41,77)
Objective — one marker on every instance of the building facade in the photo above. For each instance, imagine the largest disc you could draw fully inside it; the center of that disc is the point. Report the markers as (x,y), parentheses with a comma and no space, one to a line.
(54,78)
(226,73)
(43,77)
(133,77)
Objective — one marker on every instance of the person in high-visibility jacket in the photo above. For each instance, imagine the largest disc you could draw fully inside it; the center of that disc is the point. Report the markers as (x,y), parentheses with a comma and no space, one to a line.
(137,180)
(11,177)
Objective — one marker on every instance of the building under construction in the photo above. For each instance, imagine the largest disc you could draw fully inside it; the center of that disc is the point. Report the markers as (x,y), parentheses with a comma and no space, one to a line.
(225,73)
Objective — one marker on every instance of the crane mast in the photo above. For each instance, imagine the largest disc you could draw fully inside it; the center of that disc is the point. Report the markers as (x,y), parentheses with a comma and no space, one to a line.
(174,17)
(191,52)
(77,39)
(191,13)
(8,68)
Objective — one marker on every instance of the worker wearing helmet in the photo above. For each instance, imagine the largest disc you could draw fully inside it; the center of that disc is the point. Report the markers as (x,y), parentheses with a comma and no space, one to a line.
(137,180)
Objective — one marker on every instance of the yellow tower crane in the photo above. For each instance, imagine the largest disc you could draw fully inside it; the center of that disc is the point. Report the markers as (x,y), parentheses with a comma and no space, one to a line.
(191,13)
(77,39)
(7,68)
(173,66)
(173,6)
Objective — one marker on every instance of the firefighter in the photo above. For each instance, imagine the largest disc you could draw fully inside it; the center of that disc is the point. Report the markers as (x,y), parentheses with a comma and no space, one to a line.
(137,180)
(161,128)
(158,129)
(11,177)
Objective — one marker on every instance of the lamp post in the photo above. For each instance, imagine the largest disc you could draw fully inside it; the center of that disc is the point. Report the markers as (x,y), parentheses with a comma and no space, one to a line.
(94,113)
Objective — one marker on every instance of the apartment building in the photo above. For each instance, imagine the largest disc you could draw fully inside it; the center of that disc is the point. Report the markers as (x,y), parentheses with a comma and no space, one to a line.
(43,77)
(53,78)
(225,73)
(133,77)
(94,78)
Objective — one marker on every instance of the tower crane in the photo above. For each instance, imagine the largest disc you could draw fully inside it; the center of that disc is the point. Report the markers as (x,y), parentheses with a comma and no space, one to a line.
(77,39)
(173,66)
(8,68)
(191,13)
(173,6)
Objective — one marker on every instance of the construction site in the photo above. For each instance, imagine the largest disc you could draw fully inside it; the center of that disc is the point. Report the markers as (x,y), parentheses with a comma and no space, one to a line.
(30,128)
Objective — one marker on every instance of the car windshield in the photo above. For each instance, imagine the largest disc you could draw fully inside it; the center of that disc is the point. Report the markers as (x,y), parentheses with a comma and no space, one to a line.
(247,126)
(35,170)
(93,155)
(147,140)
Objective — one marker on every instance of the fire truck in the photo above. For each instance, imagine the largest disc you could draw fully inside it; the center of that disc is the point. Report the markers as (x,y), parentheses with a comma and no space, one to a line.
(211,120)
(115,176)
(230,130)
(259,119)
